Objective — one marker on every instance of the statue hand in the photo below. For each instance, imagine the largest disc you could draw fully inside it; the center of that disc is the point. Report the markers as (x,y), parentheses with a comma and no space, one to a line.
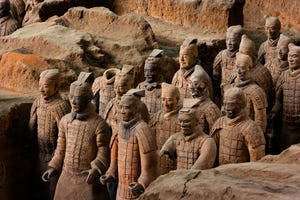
(48,174)
(136,189)
(106,178)
(92,176)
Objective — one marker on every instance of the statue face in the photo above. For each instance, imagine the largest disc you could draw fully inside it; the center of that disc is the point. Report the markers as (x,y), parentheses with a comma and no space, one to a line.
(232,42)
(169,104)
(282,52)
(187,123)
(186,60)
(150,73)
(196,87)
(232,107)
(122,87)
(294,59)
(243,71)
(273,31)
(128,109)
(78,103)
(47,88)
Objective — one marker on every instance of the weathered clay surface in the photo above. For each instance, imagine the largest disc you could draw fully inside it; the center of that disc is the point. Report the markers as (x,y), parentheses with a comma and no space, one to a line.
(276,177)
(127,39)
(208,15)
(286,10)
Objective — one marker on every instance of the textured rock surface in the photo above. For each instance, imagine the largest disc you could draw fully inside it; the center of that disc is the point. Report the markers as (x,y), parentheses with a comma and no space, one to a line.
(286,10)
(275,177)
(207,15)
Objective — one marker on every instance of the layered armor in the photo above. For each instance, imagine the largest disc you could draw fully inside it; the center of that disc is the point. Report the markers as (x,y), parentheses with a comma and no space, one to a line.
(196,151)
(239,140)
(267,50)
(276,68)
(164,125)
(256,102)
(46,114)
(180,80)
(152,97)
(83,144)
(133,156)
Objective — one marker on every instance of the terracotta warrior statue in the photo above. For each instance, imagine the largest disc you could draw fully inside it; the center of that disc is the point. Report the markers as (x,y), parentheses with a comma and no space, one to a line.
(82,153)
(8,24)
(123,82)
(153,80)
(164,122)
(267,49)
(133,152)
(259,73)
(191,147)
(238,138)
(256,100)
(188,59)
(103,89)
(46,112)
(224,62)
(287,98)
(279,64)
(207,112)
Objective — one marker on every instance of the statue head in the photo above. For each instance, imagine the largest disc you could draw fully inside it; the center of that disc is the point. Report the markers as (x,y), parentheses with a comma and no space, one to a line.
(187,116)
(124,80)
(49,83)
(188,53)
(272,27)
(247,46)
(129,107)
(87,77)
(152,68)
(243,66)
(4,8)
(80,95)
(233,37)
(170,97)
(294,57)
(234,102)
(282,47)
(199,82)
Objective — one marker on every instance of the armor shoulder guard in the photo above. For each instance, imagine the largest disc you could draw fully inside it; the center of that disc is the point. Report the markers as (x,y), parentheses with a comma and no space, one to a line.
(218,59)
(34,106)
(146,137)
(61,108)
(154,119)
(253,134)
(258,97)
(219,124)
(175,78)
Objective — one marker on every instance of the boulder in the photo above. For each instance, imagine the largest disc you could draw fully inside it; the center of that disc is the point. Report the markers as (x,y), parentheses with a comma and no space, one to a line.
(274,177)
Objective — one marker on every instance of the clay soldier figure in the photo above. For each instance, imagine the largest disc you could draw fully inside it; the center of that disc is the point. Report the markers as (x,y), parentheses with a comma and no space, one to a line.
(46,112)
(279,64)
(153,80)
(191,147)
(82,153)
(238,138)
(133,152)
(207,112)
(256,100)
(287,98)
(224,62)
(259,73)
(188,59)
(267,49)
(103,89)
(124,81)
(163,122)
(7,23)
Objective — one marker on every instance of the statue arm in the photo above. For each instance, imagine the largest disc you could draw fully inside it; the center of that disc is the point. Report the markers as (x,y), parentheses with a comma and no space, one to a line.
(207,156)
(59,155)
(169,148)
(255,141)
(279,95)
(101,162)
(260,116)
(32,125)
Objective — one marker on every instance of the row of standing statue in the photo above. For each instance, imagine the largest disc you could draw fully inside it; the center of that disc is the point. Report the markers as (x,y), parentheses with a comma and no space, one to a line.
(112,140)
